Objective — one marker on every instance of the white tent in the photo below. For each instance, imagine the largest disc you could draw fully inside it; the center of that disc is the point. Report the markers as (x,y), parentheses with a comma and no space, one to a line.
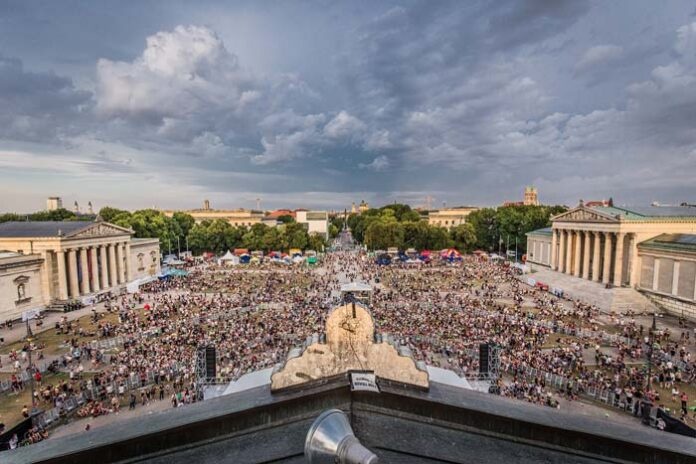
(228,259)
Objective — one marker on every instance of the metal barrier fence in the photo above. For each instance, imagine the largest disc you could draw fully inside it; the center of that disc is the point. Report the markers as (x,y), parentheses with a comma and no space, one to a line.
(132,382)
(555,326)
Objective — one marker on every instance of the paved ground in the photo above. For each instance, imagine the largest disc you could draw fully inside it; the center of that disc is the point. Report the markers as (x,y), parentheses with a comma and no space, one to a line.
(614,301)
(19,330)
(78,426)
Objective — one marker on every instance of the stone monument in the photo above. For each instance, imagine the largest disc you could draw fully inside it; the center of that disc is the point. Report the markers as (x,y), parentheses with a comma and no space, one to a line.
(350,344)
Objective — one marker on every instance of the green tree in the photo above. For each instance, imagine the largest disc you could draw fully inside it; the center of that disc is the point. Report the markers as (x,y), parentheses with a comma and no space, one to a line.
(463,237)
(285,219)
(184,222)
(316,242)
(384,233)
(108,213)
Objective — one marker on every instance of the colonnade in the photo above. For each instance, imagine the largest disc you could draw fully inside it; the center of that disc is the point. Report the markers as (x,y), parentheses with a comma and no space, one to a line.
(91,268)
(593,255)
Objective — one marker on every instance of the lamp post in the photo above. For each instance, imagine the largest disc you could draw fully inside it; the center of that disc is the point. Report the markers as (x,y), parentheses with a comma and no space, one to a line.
(651,339)
(30,339)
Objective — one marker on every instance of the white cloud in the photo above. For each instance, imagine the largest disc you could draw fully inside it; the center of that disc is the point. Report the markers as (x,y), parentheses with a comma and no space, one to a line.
(379,164)
(598,55)
(344,125)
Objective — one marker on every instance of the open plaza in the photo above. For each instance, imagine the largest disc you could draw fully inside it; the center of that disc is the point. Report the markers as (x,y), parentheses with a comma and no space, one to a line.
(133,351)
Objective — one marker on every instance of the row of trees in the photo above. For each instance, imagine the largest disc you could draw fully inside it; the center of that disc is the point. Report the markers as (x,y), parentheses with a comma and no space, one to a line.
(216,236)
(61,214)
(397,225)
(497,228)
(488,229)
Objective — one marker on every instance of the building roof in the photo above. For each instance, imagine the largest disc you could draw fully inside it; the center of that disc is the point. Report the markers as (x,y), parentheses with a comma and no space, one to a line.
(400,424)
(49,229)
(671,242)
(41,228)
(544,231)
(646,212)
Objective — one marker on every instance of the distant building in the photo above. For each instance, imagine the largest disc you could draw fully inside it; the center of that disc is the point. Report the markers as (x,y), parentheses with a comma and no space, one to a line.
(364,206)
(450,217)
(49,262)
(317,222)
(54,203)
(652,249)
(530,196)
(281,212)
(236,217)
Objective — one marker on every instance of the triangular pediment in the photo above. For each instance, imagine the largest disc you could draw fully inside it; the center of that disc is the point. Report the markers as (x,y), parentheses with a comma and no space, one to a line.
(100,229)
(583,214)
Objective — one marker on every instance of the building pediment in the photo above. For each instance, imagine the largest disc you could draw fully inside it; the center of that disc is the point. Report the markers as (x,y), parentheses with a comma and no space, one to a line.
(583,214)
(99,229)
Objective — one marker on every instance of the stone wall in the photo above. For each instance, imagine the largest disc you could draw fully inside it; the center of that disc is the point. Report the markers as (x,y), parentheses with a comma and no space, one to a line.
(145,257)
(24,272)
(673,305)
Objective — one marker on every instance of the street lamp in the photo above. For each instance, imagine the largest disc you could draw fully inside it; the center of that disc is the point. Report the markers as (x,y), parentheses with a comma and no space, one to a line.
(27,316)
(651,339)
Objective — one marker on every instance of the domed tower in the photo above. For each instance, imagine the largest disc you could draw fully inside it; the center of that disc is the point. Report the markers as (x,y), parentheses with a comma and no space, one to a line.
(530,196)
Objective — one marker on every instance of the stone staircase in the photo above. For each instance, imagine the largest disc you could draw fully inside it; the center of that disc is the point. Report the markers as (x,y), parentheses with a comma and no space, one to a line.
(626,298)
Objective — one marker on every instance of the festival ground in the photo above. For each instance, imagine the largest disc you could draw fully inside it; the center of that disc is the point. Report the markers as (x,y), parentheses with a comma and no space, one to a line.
(255,314)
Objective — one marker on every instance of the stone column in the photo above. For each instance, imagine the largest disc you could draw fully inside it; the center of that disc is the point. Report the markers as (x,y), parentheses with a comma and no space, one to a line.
(104,267)
(595,256)
(72,265)
(84,281)
(119,263)
(129,264)
(586,251)
(607,257)
(62,276)
(576,252)
(552,257)
(618,259)
(569,253)
(561,251)
(675,278)
(656,273)
(634,262)
(113,277)
(95,269)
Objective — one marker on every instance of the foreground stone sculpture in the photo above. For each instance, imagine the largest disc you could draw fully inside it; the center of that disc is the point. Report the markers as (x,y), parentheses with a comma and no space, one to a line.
(350,345)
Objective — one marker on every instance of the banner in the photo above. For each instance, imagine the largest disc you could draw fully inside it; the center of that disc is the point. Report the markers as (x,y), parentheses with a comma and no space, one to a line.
(363,381)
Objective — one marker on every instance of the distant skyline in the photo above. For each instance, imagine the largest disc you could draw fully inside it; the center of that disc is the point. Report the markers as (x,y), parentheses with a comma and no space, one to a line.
(320,103)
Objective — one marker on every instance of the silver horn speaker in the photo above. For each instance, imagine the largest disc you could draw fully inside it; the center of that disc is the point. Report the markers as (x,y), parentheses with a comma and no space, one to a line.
(330,440)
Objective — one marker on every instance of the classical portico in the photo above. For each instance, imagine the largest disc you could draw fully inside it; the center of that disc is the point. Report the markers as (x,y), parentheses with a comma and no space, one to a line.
(601,243)
(79,258)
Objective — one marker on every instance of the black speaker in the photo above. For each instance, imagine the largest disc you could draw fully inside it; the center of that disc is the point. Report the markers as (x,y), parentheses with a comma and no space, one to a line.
(210,366)
(483,358)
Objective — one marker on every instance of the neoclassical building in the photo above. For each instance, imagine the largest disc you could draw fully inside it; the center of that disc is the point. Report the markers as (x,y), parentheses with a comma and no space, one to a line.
(610,244)
(75,260)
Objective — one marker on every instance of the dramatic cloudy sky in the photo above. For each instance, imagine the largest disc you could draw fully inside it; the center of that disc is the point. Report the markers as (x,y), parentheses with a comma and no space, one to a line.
(320,103)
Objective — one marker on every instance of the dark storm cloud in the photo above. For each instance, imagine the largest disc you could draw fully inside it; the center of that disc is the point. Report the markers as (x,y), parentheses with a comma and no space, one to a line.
(467,101)
(38,106)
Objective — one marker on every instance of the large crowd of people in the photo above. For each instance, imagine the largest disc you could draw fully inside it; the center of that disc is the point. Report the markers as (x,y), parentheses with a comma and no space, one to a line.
(442,311)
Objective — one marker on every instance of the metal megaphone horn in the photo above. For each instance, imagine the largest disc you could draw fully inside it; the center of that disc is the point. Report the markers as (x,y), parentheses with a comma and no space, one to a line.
(330,440)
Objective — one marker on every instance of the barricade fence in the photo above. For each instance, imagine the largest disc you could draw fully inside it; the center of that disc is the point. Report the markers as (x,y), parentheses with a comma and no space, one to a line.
(104,391)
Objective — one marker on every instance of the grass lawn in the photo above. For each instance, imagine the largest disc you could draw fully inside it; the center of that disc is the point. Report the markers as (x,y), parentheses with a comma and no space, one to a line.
(55,342)
(11,404)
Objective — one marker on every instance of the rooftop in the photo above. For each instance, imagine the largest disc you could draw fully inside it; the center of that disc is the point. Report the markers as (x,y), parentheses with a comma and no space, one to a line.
(399,424)
(675,242)
(646,212)
(14,229)
(544,231)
